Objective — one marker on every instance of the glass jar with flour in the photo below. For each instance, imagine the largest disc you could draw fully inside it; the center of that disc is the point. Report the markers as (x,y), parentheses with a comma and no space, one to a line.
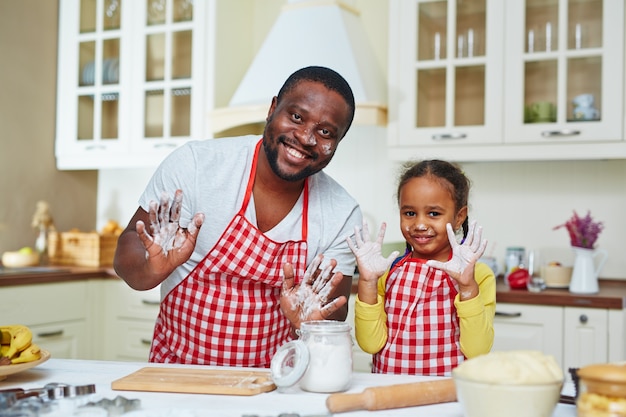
(320,361)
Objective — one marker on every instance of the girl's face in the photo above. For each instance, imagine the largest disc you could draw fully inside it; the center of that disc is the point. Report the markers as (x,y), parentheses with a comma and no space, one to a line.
(426,205)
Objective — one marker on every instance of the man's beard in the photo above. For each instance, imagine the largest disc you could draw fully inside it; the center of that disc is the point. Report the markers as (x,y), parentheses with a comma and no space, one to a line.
(271,152)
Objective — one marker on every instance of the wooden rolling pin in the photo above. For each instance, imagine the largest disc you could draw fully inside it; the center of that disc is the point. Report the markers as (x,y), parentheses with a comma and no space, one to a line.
(394,396)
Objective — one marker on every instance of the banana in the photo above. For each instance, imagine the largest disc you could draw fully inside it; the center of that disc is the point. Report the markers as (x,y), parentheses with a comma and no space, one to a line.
(4,349)
(20,338)
(31,353)
(5,335)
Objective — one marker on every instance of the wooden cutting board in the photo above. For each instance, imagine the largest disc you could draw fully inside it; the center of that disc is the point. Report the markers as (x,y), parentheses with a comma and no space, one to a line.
(197,381)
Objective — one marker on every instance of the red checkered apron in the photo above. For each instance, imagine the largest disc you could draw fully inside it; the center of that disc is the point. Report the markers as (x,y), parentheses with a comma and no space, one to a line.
(423,327)
(227,310)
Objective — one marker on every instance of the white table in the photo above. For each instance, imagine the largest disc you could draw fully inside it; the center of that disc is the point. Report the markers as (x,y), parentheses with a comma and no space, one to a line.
(102,373)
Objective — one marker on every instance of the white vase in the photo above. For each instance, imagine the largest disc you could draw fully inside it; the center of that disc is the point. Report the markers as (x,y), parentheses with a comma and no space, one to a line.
(587,266)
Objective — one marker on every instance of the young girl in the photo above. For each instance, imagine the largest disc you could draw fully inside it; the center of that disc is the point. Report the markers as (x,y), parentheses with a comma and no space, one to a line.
(435,305)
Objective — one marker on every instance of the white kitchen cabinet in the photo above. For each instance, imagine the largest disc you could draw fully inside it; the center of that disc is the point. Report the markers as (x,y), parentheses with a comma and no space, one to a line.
(445,73)
(562,50)
(518,105)
(58,315)
(134,80)
(129,324)
(575,336)
(532,327)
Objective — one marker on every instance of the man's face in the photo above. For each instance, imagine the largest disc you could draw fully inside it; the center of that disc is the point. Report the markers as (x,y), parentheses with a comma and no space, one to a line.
(304,129)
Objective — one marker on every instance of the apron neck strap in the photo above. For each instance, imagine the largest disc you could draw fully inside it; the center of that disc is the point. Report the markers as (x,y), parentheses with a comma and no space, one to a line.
(246,198)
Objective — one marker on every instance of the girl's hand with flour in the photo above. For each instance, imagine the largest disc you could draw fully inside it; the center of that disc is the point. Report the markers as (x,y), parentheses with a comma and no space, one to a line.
(464,256)
(370,261)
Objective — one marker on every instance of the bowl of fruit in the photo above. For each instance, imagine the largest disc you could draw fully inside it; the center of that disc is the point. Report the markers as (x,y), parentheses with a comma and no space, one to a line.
(20,258)
(18,352)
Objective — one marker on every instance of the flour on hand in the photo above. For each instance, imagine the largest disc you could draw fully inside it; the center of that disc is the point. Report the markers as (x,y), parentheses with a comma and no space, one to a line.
(164,221)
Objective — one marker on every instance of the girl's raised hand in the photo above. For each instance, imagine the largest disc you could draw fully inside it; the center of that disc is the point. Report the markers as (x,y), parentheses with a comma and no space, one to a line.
(463,256)
(369,257)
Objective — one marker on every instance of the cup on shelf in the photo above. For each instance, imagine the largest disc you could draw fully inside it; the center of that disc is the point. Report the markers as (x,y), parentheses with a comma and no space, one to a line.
(543,112)
(536,282)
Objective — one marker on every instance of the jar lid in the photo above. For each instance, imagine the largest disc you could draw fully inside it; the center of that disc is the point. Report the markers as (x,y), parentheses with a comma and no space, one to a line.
(605,379)
(289,363)
(324,326)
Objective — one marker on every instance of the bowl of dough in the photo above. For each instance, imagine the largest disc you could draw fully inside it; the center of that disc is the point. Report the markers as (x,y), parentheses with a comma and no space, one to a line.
(521,383)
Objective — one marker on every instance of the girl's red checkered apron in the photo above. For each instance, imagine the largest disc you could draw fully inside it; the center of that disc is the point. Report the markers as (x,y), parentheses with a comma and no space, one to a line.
(423,328)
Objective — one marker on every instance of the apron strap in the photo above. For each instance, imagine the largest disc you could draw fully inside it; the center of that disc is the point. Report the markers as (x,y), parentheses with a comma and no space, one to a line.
(246,198)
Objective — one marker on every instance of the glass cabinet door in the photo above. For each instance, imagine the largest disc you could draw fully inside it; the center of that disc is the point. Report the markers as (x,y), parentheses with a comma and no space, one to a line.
(90,78)
(570,70)
(98,72)
(452,61)
(168,74)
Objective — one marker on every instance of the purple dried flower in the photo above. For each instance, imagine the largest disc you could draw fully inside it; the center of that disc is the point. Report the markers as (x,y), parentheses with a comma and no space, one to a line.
(583,231)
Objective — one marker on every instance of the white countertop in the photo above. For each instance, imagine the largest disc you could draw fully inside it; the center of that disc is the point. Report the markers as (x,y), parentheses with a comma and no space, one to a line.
(102,373)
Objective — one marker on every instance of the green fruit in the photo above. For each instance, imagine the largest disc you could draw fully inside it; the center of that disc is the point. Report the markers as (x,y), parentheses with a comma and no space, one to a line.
(26,250)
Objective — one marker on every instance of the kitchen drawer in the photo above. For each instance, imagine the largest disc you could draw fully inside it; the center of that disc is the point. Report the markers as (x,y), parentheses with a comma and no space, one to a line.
(67,340)
(34,305)
(529,327)
(127,302)
(130,340)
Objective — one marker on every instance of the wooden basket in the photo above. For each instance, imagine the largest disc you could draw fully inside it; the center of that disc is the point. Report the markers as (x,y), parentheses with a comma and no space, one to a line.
(81,249)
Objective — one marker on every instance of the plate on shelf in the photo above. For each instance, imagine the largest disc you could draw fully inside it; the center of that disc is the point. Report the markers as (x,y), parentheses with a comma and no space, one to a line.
(6,370)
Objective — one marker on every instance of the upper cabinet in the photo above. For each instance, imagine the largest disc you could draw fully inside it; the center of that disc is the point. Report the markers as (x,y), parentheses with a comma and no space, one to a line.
(481,80)
(134,80)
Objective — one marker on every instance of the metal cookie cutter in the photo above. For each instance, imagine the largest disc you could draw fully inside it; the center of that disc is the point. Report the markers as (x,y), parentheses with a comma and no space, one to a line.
(56,390)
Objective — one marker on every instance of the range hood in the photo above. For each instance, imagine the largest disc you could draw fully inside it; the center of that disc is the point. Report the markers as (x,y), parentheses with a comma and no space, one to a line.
(309,32)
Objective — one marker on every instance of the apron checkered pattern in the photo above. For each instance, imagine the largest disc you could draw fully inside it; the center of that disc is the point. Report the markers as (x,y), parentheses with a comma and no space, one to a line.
(227,310)
(423,328)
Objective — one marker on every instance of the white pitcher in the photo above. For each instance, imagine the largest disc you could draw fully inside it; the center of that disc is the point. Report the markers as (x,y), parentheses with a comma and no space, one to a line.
(586,270)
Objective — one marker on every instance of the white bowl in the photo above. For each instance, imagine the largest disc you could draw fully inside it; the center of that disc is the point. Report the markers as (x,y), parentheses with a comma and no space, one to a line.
(488,399)
(19,259)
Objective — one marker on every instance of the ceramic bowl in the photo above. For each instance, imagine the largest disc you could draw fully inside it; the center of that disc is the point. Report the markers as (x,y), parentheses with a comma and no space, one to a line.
(19,259)
(517,383)
(488,399)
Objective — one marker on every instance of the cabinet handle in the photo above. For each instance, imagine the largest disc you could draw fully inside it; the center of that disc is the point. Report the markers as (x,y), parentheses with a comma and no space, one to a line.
(164,145)
(501,314)
(50,334)
(563,132)
(151,303)
(95,148)
(146,342)
(445,136)
(583,318)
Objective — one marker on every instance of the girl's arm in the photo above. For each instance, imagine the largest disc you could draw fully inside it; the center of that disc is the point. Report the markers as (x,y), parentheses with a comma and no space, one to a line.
(476,315)
(370,321)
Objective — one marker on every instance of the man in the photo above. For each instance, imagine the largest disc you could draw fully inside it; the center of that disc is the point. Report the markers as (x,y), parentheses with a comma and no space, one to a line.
(253,214)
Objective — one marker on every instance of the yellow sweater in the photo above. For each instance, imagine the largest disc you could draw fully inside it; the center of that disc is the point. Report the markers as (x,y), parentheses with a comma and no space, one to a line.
(475,317)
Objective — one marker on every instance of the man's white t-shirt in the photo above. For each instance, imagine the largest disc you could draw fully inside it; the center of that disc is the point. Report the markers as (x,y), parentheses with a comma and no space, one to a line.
(213,175)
